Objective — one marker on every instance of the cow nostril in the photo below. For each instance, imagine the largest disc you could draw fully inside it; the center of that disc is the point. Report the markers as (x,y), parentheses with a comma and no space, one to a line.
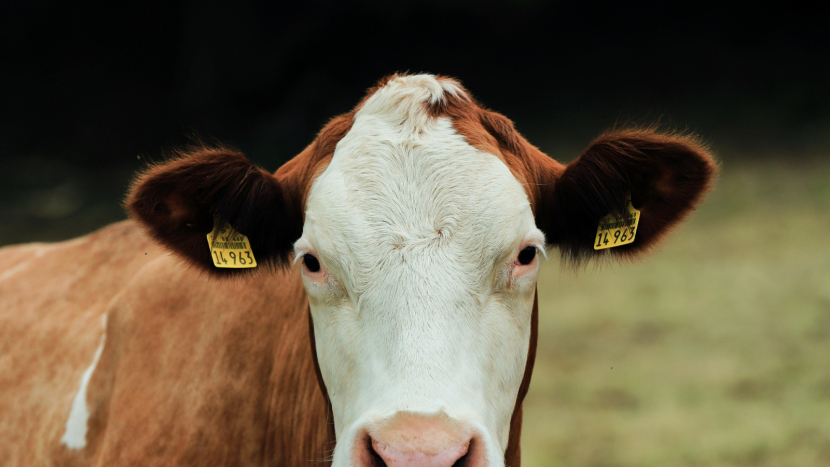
(376,460)
(465,460)
(462,461)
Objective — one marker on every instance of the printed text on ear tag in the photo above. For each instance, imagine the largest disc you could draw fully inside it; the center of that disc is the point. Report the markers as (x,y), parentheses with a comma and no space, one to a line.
(615,231)
(230,249)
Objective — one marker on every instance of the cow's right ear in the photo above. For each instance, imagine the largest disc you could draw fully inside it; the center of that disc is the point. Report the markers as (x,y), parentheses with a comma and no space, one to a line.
(179,201)
(664,175)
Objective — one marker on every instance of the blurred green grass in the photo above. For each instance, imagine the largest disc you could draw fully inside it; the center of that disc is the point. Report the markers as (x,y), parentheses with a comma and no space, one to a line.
(712,351)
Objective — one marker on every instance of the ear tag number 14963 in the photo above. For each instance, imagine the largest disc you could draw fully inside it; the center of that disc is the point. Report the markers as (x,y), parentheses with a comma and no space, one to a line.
(230,249)
(616,231)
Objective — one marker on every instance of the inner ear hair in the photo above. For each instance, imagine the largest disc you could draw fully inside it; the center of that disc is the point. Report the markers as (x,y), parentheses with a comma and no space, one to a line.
(665,174)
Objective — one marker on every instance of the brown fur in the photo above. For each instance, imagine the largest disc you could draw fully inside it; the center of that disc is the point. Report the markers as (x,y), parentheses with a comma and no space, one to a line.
(195,370)
(666,175)
(224,377)
(180,201)
(198,370)
(52,297)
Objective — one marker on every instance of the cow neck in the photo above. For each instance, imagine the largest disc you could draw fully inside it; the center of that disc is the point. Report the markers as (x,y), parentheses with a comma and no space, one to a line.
(512,455)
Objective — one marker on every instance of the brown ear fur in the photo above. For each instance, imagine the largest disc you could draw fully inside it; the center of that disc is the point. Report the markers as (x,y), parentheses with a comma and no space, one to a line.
(179,201)
(666,175)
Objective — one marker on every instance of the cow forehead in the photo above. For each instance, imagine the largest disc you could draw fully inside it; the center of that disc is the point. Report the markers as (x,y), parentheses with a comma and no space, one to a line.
(403,181)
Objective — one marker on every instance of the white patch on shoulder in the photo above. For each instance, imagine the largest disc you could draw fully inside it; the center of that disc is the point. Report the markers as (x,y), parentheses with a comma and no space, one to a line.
(76,426)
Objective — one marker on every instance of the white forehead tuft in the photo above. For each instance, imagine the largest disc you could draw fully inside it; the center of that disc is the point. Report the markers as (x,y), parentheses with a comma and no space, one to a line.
(419,88)
(403,98)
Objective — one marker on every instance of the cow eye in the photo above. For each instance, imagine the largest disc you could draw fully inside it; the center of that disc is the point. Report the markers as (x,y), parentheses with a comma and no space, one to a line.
(311,263)
(527,255)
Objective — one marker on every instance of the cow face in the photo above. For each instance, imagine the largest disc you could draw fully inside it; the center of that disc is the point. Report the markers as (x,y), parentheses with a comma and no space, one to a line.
(420,257)
(420,220)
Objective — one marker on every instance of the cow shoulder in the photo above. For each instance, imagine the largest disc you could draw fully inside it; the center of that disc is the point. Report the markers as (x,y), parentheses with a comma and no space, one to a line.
(209,371)
(53,299)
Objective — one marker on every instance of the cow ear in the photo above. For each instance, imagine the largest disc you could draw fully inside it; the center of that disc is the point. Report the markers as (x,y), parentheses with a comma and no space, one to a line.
(179,201)
(666,176)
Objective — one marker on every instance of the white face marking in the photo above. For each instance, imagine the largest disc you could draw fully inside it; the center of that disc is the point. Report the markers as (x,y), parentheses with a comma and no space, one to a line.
(420,305)
(76,425)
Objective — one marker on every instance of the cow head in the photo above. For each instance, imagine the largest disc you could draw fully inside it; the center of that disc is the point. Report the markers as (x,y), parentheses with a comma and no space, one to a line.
(420,219)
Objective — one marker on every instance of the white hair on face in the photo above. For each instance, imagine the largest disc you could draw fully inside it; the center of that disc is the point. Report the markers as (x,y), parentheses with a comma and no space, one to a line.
(418,230)
(402,100)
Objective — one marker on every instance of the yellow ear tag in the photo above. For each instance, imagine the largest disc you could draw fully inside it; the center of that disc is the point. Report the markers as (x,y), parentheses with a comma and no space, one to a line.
(230,249)
(615,231)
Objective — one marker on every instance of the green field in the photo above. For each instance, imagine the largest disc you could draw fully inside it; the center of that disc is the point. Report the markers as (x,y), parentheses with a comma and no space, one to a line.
(713,351)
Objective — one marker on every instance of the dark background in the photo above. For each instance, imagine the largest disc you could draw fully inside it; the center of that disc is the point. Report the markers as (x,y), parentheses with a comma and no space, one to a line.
(91,91)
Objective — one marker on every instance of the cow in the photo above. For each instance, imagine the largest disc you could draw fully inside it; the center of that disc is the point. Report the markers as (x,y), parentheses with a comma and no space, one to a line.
(391,318)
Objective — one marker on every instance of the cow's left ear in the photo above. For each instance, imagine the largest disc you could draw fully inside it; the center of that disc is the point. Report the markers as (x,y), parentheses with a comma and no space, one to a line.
(666,176)
(180,201)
